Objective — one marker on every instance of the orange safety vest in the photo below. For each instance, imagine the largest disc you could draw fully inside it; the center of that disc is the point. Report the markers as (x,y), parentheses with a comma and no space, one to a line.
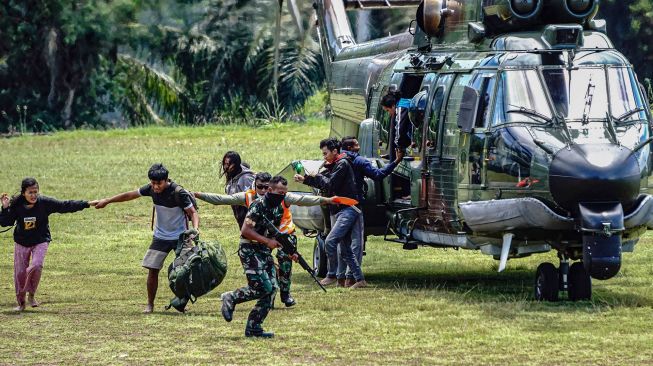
(287,225)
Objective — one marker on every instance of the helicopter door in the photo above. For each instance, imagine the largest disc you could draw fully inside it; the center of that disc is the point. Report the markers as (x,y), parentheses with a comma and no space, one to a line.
(473,146)
(429,194)
(403,136)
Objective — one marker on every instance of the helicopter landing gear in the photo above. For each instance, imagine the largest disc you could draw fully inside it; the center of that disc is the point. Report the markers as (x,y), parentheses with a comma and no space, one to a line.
(546,283)
(574,280)
(580,283)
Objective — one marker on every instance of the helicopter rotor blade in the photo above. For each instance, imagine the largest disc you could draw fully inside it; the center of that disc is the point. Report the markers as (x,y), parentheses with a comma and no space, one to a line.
(277,41)
(296,17)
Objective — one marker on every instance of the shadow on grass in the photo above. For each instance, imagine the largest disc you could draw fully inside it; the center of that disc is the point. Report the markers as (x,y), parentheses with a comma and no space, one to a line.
(483,286)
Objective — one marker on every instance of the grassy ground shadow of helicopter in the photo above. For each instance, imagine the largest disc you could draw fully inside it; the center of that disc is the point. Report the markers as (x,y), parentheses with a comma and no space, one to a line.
(483,285)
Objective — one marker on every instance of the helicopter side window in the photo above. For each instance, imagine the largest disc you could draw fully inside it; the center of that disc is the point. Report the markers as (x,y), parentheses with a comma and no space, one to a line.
(521,98)
(485,86)
(384,129)
(434,118)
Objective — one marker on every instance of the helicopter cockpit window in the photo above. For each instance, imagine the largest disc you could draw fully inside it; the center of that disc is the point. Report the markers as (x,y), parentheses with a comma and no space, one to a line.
(586,93)
(625,96)
(521,98)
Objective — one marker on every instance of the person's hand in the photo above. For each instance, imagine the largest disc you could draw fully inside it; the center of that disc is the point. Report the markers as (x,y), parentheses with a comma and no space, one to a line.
(5,200)
(299,178)
(197,194)
(329,200)
(295,257)
(399,153)
(273,244)
(99,203)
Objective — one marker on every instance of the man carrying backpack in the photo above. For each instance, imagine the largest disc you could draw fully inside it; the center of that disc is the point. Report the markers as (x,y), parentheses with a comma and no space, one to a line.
(255,252)
(261,185)
(173,206)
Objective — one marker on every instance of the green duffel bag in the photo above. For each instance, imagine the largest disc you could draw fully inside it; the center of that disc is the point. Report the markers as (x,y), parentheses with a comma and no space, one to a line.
(198,268)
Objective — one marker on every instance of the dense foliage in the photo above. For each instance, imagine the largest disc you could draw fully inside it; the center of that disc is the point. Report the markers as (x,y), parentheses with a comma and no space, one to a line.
(67,63)
(70,63)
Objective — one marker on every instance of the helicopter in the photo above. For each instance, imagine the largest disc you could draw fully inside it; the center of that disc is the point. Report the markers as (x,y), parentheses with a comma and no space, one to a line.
(529,133)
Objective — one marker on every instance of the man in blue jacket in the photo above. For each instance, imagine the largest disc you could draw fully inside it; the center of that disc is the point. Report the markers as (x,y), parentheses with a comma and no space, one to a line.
(362,168)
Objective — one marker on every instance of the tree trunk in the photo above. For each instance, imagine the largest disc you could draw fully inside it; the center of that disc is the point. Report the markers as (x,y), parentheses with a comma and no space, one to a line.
(50,55)
(67,112)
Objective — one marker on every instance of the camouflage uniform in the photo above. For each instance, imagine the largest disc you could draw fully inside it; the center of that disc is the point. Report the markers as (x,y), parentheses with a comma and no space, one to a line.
(285,271)
(285,263)
(258,264)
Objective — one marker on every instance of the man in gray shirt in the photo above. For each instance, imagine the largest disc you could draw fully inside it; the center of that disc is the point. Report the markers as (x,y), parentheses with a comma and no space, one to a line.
(173,207)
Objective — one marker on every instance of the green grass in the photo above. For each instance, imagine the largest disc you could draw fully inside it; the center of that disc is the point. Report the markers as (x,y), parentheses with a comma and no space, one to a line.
(426,306)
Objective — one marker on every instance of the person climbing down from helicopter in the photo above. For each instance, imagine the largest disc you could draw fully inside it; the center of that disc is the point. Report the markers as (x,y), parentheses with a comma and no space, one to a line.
(398,109)
(260,187)
(362,168)
(337,179)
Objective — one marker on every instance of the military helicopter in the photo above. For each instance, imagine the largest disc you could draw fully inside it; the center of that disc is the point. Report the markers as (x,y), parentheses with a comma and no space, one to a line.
(530,133)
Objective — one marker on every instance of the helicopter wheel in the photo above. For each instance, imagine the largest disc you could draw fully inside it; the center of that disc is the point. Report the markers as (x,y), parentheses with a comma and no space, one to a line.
(319,256)
(580,283)
(546,283)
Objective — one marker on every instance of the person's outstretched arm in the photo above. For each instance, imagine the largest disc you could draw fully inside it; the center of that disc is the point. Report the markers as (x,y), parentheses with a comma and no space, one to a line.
(237,199)
(374,173)
(55,206)
(306,200)
(122,197)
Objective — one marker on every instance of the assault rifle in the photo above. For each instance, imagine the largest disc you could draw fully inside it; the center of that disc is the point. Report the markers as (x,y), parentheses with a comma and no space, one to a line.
(289,246)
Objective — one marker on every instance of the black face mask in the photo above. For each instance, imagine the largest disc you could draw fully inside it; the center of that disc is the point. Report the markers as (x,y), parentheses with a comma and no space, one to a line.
(274,199)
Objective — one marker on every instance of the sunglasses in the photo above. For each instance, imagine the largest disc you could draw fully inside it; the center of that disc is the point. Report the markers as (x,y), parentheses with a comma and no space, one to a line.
(262,186)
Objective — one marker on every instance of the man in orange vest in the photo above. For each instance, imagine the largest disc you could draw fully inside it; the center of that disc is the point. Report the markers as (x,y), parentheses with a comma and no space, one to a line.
(261,184)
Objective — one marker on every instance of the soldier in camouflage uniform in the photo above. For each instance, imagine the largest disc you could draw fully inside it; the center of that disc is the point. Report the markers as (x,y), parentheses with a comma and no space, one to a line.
(246,198)
(255,252)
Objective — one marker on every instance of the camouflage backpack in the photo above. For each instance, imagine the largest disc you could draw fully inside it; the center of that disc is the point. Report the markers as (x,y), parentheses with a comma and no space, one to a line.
(198,268)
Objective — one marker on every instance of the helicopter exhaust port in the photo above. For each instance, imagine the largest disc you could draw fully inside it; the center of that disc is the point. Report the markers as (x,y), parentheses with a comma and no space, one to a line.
(574,10)
(526,9)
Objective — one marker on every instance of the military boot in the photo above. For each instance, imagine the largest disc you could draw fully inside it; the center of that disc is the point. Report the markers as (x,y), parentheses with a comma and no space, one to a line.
(287,299)
(228,306)
(258,332)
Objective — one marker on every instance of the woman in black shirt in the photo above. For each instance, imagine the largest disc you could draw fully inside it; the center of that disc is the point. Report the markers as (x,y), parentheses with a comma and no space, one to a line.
(29,211)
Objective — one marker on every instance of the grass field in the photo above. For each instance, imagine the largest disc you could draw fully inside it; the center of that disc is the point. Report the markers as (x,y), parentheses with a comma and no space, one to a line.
(426,306)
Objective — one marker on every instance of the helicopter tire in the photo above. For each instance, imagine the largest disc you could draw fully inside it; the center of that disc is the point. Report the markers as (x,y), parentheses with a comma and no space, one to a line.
(319,256)
(580,283)
(546,283)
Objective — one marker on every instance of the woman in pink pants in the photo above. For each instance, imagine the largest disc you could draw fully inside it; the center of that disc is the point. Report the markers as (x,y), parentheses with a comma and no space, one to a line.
(29,212)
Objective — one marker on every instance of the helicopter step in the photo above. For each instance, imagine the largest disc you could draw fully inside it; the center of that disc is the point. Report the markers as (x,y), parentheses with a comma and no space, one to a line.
(551,281)
(401,225)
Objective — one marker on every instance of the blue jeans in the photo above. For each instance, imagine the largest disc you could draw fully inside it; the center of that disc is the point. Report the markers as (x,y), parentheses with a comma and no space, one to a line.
(357,241)
(343,225)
